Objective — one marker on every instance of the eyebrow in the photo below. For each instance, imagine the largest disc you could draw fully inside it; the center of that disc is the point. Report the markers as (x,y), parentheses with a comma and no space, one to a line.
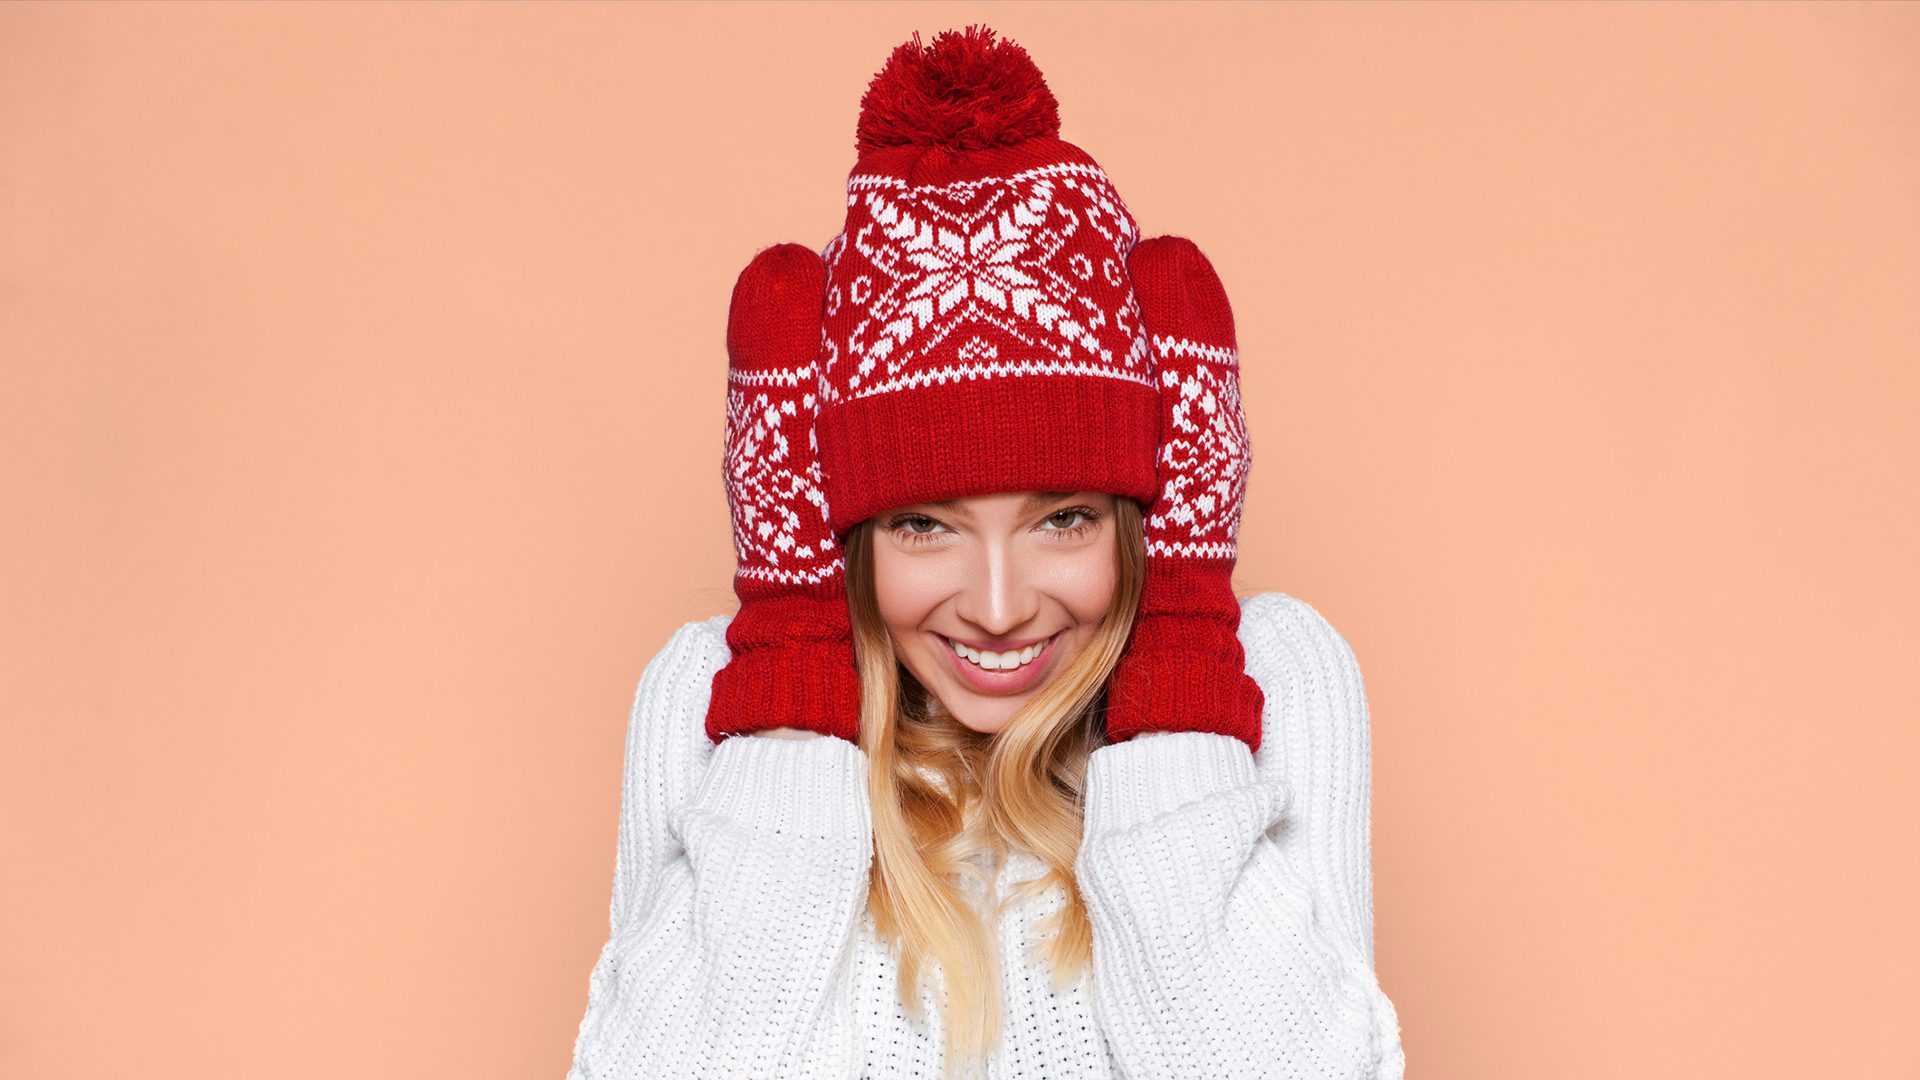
(1034,501)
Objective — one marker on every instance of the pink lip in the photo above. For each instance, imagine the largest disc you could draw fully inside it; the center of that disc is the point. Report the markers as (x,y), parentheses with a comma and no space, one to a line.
(1001,682)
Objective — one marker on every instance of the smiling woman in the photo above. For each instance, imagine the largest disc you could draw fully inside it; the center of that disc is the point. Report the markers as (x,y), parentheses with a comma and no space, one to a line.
(985,460)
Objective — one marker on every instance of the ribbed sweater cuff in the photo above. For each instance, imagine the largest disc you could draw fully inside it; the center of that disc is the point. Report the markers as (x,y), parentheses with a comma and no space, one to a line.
(804,788)
(1135,781)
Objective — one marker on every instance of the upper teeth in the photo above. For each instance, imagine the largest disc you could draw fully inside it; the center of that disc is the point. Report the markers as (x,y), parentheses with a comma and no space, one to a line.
(993,661)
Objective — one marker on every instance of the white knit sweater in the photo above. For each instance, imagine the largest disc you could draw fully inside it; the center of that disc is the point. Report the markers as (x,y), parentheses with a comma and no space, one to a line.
(1229,891)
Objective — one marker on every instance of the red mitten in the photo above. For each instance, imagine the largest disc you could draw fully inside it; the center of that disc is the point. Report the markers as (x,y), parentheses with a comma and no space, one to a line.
(792,640)
(1184,669)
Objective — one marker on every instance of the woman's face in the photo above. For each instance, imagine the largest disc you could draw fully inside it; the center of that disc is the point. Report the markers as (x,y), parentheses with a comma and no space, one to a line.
(1023,575)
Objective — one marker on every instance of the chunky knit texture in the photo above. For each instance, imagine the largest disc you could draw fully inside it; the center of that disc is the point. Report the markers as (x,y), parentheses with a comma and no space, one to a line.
(792,638)
(1182,670)
(981,332)
(1229,889)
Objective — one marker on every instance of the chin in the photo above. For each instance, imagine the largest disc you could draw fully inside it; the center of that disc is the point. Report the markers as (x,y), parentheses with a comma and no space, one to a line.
(984,726)
(986,714)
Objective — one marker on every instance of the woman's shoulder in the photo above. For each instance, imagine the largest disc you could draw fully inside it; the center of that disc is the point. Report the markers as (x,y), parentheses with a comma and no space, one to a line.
(1306,669)
(684,665)
(667,729)
(708,636)
(1278,625)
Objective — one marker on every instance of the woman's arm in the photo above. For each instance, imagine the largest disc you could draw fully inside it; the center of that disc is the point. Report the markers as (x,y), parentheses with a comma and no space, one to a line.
(1232,935)
(667,751)
(735,910)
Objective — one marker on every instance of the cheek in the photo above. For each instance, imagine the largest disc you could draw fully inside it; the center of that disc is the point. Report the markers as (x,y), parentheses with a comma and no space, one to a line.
(1083,581)
(904,590)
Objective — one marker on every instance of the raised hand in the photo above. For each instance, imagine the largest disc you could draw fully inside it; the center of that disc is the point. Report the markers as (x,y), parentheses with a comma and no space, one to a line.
(792,640)
(1185,669)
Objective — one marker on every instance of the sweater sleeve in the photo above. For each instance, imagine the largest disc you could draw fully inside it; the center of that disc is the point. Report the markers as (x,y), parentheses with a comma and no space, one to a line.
(667,751)
(735,909)
(1232,931)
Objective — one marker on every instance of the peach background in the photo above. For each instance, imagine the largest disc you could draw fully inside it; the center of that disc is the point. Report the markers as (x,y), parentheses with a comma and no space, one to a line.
(362,377)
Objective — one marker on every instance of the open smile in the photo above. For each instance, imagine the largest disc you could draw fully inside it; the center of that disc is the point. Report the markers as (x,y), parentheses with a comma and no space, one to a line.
(1000,673)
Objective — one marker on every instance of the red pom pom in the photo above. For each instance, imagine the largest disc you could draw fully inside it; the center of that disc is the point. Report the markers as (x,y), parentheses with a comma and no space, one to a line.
(966,91)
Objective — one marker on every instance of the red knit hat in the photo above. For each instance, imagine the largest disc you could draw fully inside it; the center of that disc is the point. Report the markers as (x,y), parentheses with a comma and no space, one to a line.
(981,332)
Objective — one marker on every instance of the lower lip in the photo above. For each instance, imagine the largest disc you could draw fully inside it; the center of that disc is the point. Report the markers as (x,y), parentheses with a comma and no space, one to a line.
(1001,682)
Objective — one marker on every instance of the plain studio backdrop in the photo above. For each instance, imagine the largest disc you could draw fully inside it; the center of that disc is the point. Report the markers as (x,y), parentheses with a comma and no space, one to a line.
(362,379)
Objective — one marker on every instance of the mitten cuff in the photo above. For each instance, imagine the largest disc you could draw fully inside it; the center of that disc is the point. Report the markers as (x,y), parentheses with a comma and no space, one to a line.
(1184,673)
(812,686)
(791,666)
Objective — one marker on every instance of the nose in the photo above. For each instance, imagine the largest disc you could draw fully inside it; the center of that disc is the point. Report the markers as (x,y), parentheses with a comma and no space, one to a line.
(999,596)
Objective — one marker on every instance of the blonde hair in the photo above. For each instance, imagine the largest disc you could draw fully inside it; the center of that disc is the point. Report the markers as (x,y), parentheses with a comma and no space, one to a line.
(943,794)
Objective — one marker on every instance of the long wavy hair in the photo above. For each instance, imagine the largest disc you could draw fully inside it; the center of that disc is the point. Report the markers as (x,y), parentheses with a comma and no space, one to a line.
(948,802)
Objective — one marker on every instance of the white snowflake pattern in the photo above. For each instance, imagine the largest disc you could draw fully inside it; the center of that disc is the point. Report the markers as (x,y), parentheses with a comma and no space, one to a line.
(1204,452)
(1006,262)
(775,495)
